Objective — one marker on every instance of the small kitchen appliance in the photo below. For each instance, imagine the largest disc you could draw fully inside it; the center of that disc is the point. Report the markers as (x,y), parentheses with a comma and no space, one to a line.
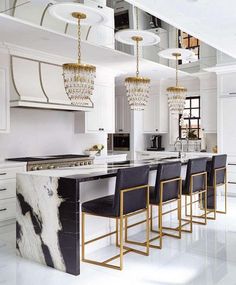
(156,143)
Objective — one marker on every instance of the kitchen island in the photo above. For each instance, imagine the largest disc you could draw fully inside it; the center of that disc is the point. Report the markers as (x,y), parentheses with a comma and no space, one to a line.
(48,210)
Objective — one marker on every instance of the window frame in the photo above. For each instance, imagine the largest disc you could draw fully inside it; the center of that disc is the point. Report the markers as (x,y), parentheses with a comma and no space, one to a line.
(189,119)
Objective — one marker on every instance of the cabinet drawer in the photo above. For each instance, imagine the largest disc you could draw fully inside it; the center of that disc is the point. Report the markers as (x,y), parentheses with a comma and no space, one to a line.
(7,209)
(6,173)
(7,188)
(231,189)
(231,177)
(231,168)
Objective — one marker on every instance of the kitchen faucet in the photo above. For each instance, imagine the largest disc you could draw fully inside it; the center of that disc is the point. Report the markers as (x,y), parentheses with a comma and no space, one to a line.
(180,141)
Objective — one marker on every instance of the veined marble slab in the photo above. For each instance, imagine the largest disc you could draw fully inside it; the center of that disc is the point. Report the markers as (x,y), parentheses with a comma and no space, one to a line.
(45,231)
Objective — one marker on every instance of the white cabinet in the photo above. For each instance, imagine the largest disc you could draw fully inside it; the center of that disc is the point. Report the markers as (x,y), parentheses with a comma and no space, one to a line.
(4,100)
(150,115)
(8,191)
(226,131)
(102,117)
(208,93)
(122,114)
(231,179)
(209,111)
(155,115)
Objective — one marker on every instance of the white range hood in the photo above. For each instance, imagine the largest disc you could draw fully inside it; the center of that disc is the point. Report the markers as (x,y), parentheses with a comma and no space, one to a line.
(39,84)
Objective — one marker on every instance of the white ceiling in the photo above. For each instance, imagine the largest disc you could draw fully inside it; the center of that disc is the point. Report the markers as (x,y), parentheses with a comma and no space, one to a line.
(211,21)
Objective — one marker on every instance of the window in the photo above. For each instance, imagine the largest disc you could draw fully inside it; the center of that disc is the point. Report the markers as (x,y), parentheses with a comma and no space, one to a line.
(189,42)
(191,118)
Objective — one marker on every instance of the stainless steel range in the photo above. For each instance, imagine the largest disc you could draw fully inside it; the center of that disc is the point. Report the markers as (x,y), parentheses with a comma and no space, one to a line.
(54,161)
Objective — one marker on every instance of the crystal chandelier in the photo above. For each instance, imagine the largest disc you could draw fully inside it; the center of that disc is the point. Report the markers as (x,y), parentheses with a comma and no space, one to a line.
(176,94)
(78,77)
(137,88)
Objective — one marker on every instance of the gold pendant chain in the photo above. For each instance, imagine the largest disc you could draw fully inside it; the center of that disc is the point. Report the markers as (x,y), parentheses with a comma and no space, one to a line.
(177,45)
(177,81)
(137,57)
(137,45)
(79,42)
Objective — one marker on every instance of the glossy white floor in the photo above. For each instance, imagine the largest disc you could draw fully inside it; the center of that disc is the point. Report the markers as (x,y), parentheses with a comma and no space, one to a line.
(208,256)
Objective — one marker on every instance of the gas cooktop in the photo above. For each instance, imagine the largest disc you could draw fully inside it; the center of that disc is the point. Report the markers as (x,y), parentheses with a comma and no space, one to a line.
(54,161)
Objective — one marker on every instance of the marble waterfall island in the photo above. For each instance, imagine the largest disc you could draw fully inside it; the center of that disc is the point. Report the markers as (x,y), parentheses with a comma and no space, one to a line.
(48,210)
(48,221)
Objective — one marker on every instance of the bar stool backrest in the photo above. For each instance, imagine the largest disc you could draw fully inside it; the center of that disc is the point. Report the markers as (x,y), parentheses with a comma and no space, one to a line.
(195,166)
(130,178)
(217,162)
(167,171)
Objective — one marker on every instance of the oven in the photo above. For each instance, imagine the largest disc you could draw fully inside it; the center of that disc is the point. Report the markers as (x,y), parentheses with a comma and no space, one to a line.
(121,142)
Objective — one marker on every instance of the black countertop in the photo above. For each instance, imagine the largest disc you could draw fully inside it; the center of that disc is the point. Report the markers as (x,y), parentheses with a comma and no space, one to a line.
(112,168)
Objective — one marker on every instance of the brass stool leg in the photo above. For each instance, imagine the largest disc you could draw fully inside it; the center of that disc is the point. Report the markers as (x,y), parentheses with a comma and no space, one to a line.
(151,221)
(215,197)
(205,207)
(117,232)
(186,205)
(191,212)
(121,229)
(126,230)
(179,216)
(225,202)
(160,223)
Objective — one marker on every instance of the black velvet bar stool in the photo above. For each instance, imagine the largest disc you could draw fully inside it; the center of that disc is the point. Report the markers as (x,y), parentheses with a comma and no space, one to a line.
(167,190)
(131,197)
(217,176)
(195,183)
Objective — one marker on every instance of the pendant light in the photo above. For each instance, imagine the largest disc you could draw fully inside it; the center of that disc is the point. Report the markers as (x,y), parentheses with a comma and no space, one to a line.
(78,77)
(176,94)
(137,87)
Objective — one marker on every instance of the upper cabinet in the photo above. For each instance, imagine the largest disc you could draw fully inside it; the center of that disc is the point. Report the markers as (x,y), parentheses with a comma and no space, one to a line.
(208,93)
(155,115)
(122,114)
(101,119)
(4,94)
(226,135)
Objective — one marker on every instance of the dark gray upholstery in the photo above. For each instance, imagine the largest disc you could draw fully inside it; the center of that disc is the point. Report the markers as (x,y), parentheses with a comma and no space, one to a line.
(109,206)
(166,171)
(196,165)
(218,161)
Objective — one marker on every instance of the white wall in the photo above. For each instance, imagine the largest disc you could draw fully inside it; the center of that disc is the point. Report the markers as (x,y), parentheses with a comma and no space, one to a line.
(42,132)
